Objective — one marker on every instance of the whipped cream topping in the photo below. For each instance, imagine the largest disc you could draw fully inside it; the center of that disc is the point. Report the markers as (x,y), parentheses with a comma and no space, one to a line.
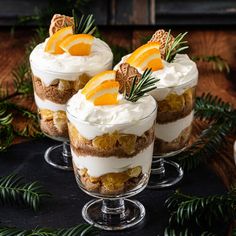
(98,166)
(125,117)
(46,104)
(176,76)
(49,67)
(170,131)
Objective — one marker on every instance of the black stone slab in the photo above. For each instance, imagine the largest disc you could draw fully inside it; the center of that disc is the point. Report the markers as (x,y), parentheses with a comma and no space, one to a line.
(64,209)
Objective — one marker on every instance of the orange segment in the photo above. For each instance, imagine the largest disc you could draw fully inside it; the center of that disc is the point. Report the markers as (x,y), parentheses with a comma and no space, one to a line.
(146,56)
(139,51)
(52,45)
(101,94)
(98,79)
(149,59)
(78,44)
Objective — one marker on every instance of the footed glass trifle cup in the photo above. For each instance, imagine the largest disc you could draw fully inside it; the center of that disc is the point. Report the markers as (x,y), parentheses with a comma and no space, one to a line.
(57,75)
(112,148)
(174,93)
(172,130)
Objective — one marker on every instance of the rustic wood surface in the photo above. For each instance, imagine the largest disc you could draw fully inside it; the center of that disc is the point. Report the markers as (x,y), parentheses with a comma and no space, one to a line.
(208,42)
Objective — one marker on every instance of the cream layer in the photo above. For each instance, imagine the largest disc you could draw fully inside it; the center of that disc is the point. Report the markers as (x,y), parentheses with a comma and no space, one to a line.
(98,166)
(170,131)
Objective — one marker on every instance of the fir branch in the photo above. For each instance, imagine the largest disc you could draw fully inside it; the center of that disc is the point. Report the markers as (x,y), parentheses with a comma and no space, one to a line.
(145,85)
(222,120)
(213,108)
(81,229)
(13,190)
(188,213)
(84,25)
(218,63)
(207,144)
(177,46)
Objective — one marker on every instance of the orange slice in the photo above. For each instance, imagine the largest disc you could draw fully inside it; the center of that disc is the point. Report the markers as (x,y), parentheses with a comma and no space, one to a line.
(52,45)
(98,79)
(104,94)
(78,44)
(146,56)
(149,59)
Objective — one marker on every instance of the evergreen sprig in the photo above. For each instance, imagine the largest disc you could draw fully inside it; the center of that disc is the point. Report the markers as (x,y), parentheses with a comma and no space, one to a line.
(79,230)
(191,213)
(14,191)
(140,88)
(84,25)
(218,63)
(178,45)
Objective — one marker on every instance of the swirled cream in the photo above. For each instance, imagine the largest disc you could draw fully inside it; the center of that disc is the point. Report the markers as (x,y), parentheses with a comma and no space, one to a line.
(49,67)
(176,76)
(125,117)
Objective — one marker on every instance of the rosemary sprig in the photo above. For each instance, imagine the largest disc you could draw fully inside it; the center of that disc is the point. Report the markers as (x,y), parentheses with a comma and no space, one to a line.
(84,25)
(145,85)
(81,229)
(13,190)
(188,213)
(218,63)
(177,46)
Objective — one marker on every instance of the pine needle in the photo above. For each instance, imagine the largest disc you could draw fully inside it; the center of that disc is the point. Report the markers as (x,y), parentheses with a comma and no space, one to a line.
(14,191)
(79,230)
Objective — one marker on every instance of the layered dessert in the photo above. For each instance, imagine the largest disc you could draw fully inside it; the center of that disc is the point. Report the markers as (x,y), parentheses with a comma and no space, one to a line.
(175,90)
(111,135)
(61,66)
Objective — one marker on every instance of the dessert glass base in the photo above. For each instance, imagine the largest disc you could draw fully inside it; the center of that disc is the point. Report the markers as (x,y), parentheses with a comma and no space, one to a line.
(164,173)
(117,214)
(59,156)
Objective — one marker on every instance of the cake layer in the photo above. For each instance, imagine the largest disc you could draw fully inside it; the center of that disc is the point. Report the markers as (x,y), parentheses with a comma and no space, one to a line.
(98,166)
(112,144)
(170,131)
(126,117)
(49,67)
(52,92)
(46,104)
(162,147)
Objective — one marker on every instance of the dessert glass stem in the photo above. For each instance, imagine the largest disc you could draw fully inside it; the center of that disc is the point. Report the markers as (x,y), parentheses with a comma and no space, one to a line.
(113,207)
(159,167)
(66,153)
(59,156)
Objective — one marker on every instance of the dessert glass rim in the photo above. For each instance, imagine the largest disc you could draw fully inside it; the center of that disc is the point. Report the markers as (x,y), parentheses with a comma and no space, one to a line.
(192,82)
(99,124)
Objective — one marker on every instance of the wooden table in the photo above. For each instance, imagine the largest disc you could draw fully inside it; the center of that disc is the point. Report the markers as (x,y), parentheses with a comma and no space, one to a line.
(202,42)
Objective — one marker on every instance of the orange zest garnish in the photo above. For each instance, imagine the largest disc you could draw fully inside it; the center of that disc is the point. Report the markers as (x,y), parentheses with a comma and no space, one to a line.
(102,89)
(52,45)
(77,44)
(146,56)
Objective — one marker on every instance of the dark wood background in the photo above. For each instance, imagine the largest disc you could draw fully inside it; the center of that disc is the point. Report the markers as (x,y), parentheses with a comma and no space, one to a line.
(138,12)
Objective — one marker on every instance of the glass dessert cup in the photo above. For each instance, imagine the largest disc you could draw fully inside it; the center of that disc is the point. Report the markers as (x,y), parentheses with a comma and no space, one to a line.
(51,99)
(112,165)
(173,131)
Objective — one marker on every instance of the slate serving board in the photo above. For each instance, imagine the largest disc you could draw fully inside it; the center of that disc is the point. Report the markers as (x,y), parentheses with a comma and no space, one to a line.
(64,209)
